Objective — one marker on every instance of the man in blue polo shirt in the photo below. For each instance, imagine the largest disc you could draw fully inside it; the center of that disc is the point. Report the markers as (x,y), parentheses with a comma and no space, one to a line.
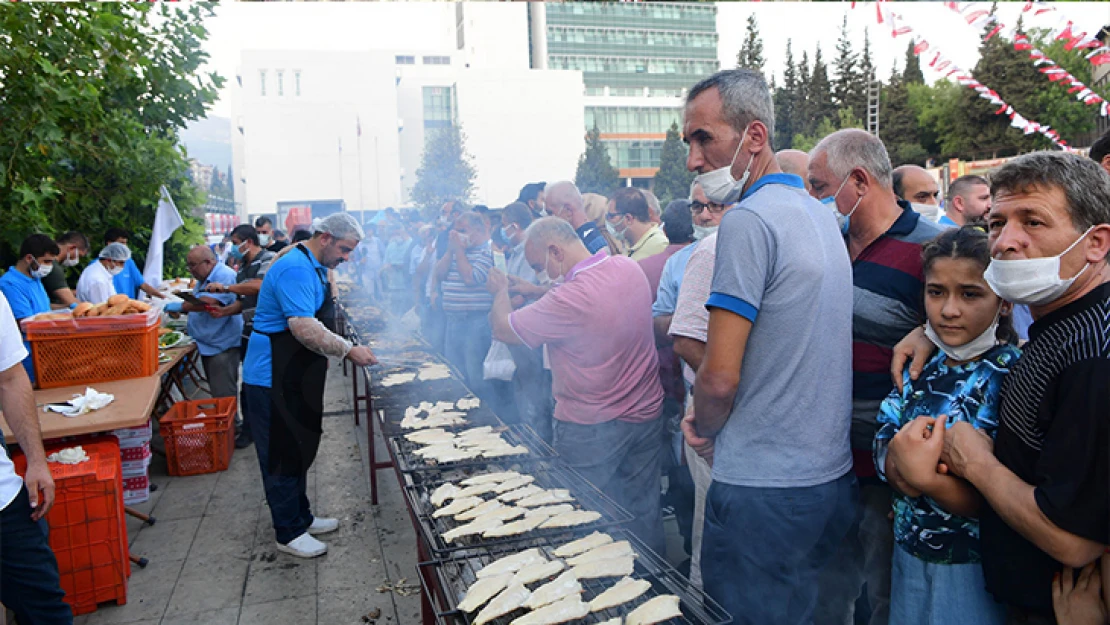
(22,284)
(284,374)
(129,281)
(772,397)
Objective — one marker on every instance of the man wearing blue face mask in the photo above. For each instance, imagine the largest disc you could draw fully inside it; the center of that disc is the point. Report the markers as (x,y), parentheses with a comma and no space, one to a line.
(850,172)
(772,391)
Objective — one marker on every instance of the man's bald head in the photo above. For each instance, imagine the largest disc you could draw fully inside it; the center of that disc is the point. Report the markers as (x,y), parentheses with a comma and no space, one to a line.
(794,162)
(200,252)
(563,200)
(201,260)
(915,184)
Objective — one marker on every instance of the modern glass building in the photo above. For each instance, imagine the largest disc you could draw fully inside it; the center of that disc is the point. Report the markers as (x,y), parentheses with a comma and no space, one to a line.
(637,60)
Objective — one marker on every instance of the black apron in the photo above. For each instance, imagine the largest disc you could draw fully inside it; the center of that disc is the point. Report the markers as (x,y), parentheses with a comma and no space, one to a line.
(297,394)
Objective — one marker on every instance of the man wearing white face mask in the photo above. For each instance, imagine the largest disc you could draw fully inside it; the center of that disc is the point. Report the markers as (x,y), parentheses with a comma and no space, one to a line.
(22,284)
(850,172)
(71,247)
(95,285)
(629,216)
(772,393)
(1046,482)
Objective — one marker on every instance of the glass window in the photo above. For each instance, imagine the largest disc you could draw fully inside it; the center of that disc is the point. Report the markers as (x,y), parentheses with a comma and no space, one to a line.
(281,82)
(262,81)
(437,60)
(297,82)
(406,60)
(438,107)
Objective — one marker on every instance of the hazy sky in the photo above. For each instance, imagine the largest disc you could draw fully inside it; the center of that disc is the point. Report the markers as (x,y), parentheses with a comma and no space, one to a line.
(393,25)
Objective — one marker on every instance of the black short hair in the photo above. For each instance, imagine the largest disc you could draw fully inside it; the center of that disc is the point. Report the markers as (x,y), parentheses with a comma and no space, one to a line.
(262,221)
(530,191)
(278,234)
(74,237)
(960,185)
(631,201)
(517,213)
(678,223)
(896,181)
(115,234)
(38,245)
(1100,148)
(245,232)
(301,235)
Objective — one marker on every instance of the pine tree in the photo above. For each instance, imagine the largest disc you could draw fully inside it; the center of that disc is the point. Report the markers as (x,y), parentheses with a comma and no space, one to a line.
(672,181)
(912,73)
(751,53)
(785,105)
(820,92)
(804,112)
(595,173)
(847,86)
(446,171)
(898,125)
(866,76)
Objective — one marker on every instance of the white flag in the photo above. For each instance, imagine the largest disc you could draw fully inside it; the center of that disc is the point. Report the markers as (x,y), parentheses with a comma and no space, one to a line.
(166,220)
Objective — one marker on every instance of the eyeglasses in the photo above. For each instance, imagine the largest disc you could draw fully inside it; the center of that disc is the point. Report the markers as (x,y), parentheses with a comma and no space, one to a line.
(714,209)
(612,216)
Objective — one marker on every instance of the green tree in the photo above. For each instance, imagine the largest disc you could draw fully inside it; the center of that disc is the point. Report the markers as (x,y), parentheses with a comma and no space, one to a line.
(93,98)
(751,52)
(898,124)
(939,114)
(672,181)
(595,172)
(849,90)
(819,94)
(785,104)
(803,120)
(912,73)
(446,171)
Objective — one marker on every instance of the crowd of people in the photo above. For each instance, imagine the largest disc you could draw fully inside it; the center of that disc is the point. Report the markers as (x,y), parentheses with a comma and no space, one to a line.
(858,400)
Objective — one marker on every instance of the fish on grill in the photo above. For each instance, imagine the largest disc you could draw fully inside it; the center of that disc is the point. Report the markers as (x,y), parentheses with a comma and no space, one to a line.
(478,489)
(454,455)
(468,403)
(507,450)
(655,610)
(483,590)
(520,526)
(510,599)
(536,572)
(430,436)
(571,519)
(544,512)
(513,484)
(616,567)
(457,506)
(444,492)
(582,545)
(622,592)
(472,513)
(499,477)
(604,552)
(568,609)
(504,513)
(553,496)
(477,526)
(566,585)
(512,563)
(520,493)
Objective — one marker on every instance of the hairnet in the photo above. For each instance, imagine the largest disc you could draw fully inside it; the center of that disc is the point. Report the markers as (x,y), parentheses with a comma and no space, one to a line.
(115,251)
(338,225)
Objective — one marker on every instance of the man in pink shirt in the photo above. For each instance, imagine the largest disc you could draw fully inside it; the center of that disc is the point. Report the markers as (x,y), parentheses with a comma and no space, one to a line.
(596,324)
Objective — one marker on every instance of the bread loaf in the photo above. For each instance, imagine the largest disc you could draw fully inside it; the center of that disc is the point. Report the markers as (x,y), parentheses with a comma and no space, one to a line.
(117,299)
(82,309)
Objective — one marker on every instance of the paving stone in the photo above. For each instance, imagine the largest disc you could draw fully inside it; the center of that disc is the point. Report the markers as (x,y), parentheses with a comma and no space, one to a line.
(148,594)
(209,583)
(228,616)
(166,540)
(297,611)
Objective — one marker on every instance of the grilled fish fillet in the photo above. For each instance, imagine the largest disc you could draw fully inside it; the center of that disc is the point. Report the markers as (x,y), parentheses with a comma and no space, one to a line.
(468,403)
(483,478)
(510,599)
(617,567)
(571,519)
(478,510)
(504,513)
(456,455)
(515,483)
(457,506)
(434,436)
(512,563)
(566,585)
(616,620)
(582,545)
(398,378)
(490,442)
(544,512)
(501,452)
(536,572)
(444,492)
(483,430)
(483,590)
(622,592)
(604,552)
(478,489)
(568,609)
(520,493)
(477,526)
(437,421)
(654,610)
(428,450)
(440,406)
(519,526)
(557,495)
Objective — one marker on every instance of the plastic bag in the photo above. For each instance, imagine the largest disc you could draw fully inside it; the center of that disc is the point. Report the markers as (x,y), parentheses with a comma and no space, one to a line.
(499,363)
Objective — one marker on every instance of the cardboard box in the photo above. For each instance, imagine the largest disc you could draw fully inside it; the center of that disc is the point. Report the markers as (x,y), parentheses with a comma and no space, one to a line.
(126,434)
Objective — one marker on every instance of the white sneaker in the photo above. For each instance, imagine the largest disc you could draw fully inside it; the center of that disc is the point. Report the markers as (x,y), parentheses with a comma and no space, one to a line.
(323,526)
(304,546)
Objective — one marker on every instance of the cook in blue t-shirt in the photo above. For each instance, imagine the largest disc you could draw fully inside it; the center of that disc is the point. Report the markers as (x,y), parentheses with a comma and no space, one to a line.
(129,280)
(27,297)
(294,287)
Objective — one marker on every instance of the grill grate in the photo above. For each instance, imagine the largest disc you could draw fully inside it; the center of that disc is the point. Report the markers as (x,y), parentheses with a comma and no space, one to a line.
(548,475)
(409,462)
(451,578)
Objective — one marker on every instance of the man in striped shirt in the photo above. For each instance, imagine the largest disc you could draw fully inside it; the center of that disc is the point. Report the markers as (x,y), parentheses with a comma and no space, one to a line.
(851,171)
(462,272)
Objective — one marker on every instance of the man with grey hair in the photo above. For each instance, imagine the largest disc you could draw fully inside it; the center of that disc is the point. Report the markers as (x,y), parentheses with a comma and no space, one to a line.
(96,282)
(794,162)
(654,208)
(772,392)
(284,374)
(565,202)
(850,172)
(596,325)
(1045,481)
(969,199)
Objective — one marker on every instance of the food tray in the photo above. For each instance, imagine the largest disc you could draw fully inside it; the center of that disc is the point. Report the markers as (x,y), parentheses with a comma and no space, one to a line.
(408,462)
(449,580)
(547,474)
(82,325)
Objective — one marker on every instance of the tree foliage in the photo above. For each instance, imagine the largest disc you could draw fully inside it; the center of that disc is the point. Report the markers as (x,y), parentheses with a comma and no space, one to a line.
(751,52)
(446,171)
(786,103)
(595,172)
(93,97)
(672,181)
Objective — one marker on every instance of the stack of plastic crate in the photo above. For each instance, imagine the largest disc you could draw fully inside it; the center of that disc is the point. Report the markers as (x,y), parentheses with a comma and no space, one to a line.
(134,447)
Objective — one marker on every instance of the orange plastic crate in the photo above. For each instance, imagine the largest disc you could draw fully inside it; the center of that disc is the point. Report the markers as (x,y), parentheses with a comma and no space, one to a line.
(88,357)
(88,534)
(199,444)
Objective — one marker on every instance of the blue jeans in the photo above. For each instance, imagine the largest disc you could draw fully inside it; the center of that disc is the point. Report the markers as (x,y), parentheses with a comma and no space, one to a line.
(29,581)
(763,548)
(467,343)
(862,558)
(287,495)
(940,594)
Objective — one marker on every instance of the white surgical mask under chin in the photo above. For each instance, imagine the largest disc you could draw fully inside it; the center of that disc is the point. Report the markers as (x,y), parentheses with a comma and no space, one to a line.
(971,350)
(701,232)
(42,271)
(115,271)
(617,234)
(71,261)
(719,185)
(1031,281)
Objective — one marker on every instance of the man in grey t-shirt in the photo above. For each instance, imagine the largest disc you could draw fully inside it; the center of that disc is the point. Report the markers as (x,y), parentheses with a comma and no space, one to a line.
(772,400)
